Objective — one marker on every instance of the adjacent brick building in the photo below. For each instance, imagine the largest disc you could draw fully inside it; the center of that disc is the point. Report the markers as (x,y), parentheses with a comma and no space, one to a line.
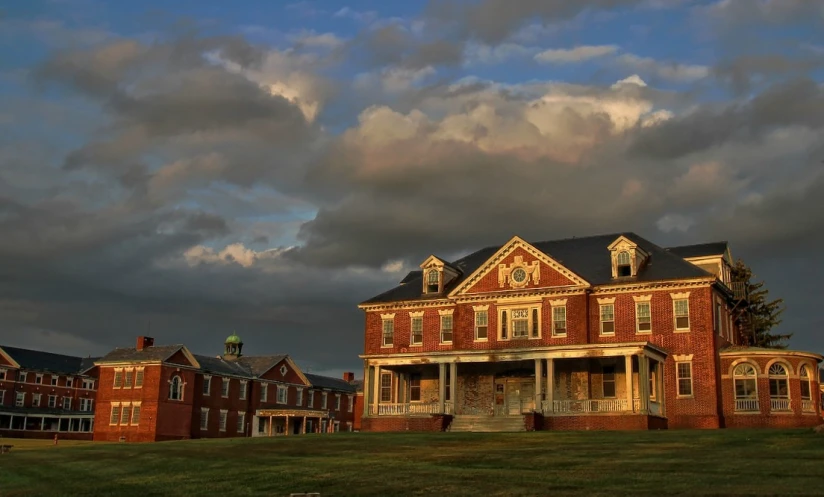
(44,394)
(602,332)
(154,393)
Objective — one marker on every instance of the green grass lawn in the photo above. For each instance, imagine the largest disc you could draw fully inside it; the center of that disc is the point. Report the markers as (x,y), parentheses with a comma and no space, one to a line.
(716,462)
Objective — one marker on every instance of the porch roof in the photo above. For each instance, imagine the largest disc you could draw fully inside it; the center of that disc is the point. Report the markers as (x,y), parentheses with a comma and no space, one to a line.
(504,355)
(293,411)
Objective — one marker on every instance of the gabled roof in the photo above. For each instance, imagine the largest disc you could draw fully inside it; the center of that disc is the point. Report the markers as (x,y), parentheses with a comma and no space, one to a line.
(219,366)
(318,381)
(258,365)
(587,257)
(35,360)
(149,354)
(700,250)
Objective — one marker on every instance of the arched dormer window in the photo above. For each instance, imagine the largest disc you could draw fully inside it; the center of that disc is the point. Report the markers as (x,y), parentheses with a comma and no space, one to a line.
(176,388)
(779,388)
(624,263)
(433,279)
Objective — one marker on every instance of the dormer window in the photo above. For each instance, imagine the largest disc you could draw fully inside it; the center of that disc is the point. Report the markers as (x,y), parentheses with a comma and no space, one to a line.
(624,263)
(433,278)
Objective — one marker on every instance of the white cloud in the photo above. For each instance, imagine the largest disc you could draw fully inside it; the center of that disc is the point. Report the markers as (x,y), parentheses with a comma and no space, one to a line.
(478,53)
(577,54)
(236,253)
(675,222)
(671,71)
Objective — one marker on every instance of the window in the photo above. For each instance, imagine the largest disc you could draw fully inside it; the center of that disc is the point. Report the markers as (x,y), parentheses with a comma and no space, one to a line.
(118,379)
(652,380)
(386,387)
(682,314)
(416,336)
(223,416)
(718,320)
(35,400)
(351,405)
(559,324)
(609,382)
(138,378)
(69,382)
(135,415)
(779,388)
(607,319)
(264,392)
(38,379)
(624,263)
(804,376)
(3,373)
(643,318)
(684,372)
(503,325)
(67,403)
(2,396)
(446,329)
(388,332)
(299,400)
(323,400)
(746,389)
(432,281)
(52,401)
(242,390)
(241,422)
(337,402)
(481,325)
(86,405)
(310,399)
(20,399)
(129,378)
(204,418)
(536,331)
(114,417)
(176,388)
(88,384)
(24,377)
(224,388)
(54,380)
(520,323)
(207,385)
(282,393)
(124,414)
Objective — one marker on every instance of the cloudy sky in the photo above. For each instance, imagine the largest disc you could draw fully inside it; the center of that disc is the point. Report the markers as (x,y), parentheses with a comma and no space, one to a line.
(186,169)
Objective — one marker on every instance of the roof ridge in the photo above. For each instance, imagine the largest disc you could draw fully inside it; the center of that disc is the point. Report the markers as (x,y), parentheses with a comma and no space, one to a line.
(5,347)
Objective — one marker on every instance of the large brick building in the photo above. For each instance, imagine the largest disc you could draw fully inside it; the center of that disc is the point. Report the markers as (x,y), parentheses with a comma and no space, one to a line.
(602,332)
(153,393)
(44,394)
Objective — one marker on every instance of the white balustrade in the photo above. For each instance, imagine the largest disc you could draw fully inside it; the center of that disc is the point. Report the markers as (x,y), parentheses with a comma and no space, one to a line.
(587,406)
(407,408)
(746,405)
(808,405)
(779,404)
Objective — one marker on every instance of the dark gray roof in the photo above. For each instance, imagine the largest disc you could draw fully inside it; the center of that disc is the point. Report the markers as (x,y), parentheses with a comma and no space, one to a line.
(588,257)
(700,250)
(329,382)
(260,364)
(36,360)
(411,276)
(217,365)
(155,353)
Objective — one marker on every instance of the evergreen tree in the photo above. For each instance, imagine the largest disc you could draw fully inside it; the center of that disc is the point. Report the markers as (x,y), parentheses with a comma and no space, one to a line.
(760,315)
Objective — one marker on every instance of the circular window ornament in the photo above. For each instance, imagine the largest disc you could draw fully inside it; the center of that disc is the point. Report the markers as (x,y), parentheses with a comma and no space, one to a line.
(519,275)
(283,370)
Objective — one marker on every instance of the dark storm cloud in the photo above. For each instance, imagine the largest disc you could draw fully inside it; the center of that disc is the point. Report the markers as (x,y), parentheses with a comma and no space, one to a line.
(746,72)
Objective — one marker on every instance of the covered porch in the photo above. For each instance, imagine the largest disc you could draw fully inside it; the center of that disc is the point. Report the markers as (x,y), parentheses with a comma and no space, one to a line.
(285,422)
(552,381)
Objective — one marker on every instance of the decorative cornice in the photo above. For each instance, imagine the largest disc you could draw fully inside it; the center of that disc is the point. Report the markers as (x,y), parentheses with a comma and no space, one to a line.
(654,285)
(388,316)
(478,308)
(558,302)
(680,296)
(416,314)
(642,298)
(606,300)
(682,357)
(446,312)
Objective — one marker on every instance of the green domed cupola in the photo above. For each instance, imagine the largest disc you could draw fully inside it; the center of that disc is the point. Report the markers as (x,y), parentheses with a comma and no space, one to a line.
(233,347)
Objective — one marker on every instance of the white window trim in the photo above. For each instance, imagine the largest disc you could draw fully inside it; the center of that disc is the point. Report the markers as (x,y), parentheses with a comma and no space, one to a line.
(225,387)
(412,317)
(337,402)
(182,388)
(638,330)
(678,379)
(529,306)
(135,405)
(387,318)
(49,405)
(204,418)
(243,387)
(114,379)
(2,396)
(310,399)
(114,408)
(601,303)
(350,407)
(70,403)
(264,392)
(442,313)
(479,309)
(20,399)
(4,373)
(285,389)
(207,380)
(241,422)
(324,400)
(54,380)
(299,397)
(677,297)
(38,379)
(139,373)
(127,381)
(558,304)
(36,400)
(223,420)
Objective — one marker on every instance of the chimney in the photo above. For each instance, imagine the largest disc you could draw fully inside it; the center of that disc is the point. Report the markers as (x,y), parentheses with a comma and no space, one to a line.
(144,342)
(350,377)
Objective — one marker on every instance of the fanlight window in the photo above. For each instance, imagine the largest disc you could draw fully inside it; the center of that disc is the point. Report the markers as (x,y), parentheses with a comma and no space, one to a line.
(176,388)
(779,382)
(745,383)
(804,374)
(624,264)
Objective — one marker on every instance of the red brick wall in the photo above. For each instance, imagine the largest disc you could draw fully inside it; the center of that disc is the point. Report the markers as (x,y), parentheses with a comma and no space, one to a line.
(549,277)
(45,389)
(604,422)
(435,422)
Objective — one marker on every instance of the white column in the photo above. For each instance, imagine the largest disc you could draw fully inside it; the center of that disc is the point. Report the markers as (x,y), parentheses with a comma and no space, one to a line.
(376,395)
(286,427)
(628,369)
(453,386)
(366,377)
(643,382)
(539,374)
(661,390)
(441,386)
(550,384)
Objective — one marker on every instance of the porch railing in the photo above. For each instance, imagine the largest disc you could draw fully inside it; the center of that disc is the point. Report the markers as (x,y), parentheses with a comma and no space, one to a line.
(746,405)
(407,408)
(807,405)
(655,408)
(585,406)
(779,404)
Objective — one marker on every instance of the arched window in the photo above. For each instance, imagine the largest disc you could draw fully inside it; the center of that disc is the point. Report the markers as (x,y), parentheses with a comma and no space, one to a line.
(624,264)
(432,278)
(779,388)
(176,388)
(804,375)
(746,387)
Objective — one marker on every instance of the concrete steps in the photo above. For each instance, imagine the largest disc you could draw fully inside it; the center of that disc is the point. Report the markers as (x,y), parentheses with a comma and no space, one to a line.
(487,424)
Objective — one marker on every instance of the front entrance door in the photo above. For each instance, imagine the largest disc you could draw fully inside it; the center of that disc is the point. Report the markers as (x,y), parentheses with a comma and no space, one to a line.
(513,396)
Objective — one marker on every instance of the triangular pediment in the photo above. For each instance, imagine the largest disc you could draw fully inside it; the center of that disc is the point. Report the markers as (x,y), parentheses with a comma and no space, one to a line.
(622,242)
(286,371)
(518,265)
(7,360)
(183,357)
